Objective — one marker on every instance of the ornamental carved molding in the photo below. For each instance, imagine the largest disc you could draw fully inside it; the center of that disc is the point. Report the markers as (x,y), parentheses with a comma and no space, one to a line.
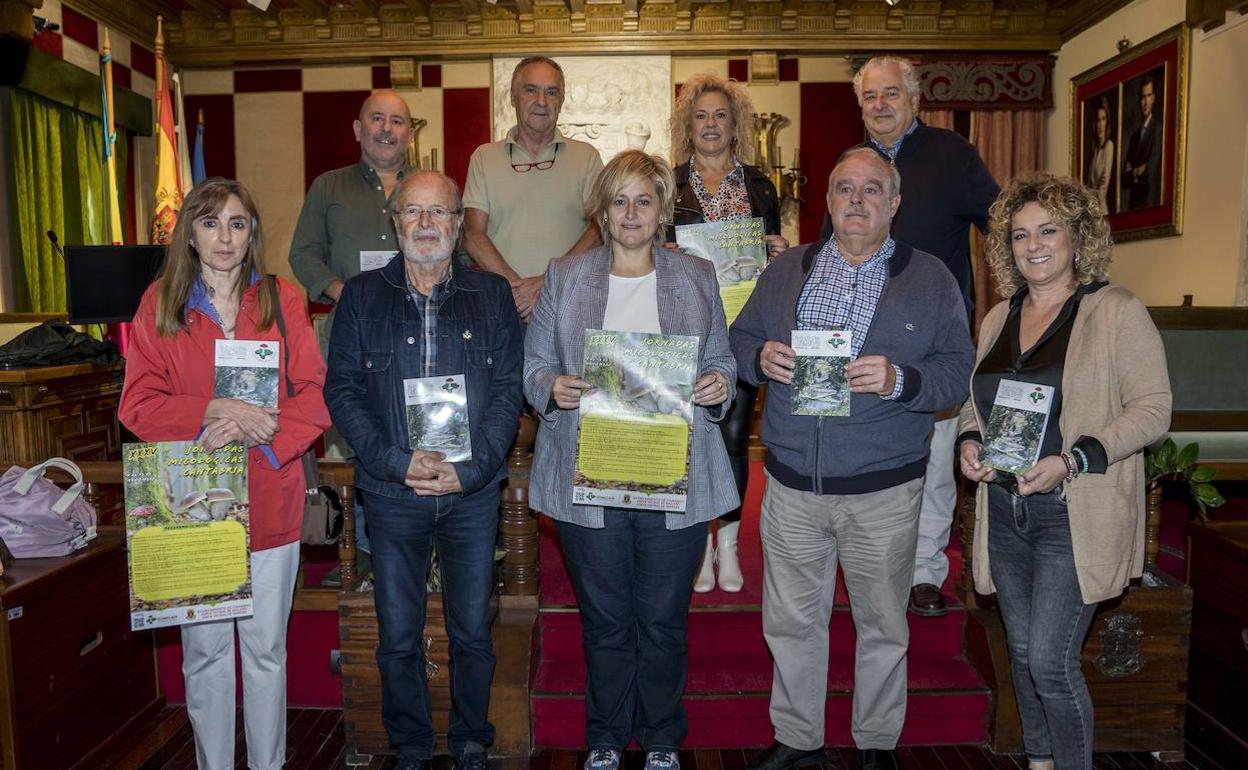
(1121,636)
(977,85)
(221,33)
(614,103)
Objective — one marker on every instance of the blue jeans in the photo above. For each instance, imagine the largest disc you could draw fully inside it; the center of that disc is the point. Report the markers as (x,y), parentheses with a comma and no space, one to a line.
(633,580)
(361,526)
(465,530)
(1046,622)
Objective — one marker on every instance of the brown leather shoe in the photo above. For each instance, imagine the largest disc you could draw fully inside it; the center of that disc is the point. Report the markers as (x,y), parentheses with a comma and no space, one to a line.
(878,759)
(926,601)
(777,756)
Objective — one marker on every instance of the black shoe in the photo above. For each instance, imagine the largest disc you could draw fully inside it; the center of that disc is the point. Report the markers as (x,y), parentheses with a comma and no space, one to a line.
(408,762)
(777,756)
(877,759)
(470,760)
(926,601)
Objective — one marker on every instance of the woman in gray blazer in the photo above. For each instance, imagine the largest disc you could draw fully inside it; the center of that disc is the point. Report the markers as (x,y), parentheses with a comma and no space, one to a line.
(632,569)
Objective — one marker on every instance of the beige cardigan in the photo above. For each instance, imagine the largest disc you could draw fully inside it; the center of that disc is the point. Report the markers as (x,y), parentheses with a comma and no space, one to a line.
(1115,388)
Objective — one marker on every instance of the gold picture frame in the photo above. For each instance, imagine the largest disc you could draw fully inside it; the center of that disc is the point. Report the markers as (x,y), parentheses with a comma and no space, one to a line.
(1128,130)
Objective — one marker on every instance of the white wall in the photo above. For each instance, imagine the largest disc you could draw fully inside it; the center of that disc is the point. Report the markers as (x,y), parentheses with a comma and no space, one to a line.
(1205,260)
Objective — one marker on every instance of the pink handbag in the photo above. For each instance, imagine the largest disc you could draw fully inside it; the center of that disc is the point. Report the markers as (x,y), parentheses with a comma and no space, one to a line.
(38,518)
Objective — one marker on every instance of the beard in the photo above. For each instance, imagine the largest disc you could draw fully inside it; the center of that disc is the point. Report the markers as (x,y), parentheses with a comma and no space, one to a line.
(419,250)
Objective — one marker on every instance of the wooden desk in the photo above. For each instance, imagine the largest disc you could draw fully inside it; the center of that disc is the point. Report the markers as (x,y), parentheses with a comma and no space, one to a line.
(59,411)
(72,675)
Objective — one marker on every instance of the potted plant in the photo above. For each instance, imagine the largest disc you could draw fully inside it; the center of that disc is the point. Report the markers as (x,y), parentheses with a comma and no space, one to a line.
(1166,462)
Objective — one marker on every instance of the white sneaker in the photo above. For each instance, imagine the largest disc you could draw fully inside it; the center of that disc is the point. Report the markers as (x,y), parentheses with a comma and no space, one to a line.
(662,760)
(705,581)
(726,562)
(602,759)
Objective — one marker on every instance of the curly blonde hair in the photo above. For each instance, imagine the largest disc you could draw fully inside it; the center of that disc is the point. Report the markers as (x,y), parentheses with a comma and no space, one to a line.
(739,102)
(1072,205)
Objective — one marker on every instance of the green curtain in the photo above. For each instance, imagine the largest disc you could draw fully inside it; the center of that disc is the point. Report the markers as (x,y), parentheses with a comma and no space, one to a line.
(57,172)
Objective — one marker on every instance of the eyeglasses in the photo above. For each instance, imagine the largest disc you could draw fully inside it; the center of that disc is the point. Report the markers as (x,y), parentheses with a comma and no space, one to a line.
(524,168)
(437,213)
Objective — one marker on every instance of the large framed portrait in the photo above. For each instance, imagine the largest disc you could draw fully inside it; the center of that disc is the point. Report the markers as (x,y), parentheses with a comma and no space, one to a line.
(1128,129)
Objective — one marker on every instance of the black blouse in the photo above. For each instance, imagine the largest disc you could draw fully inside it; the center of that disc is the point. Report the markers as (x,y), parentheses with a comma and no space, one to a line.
(1042,364)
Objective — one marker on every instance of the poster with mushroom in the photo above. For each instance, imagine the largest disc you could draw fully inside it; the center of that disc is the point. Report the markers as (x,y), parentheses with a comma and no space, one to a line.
(187,533)
(636,420)
(735,247)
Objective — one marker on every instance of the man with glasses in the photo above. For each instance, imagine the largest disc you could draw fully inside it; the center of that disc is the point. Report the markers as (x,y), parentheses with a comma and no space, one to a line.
(525,197)
(422,325)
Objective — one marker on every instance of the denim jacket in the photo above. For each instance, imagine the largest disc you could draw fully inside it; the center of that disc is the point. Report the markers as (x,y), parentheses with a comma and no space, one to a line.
(376,343)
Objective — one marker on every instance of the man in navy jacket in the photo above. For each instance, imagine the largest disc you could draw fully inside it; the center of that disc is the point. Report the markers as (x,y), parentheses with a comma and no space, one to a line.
(416,319)
(848,489)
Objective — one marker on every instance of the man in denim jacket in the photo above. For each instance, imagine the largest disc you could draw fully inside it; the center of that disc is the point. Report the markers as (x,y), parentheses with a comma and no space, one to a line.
(423,317)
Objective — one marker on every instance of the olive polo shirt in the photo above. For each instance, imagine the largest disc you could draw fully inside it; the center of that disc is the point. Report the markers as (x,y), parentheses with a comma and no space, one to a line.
(343,214)
(534,215)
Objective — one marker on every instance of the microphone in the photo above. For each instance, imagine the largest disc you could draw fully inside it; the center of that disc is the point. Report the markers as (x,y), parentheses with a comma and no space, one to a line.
(56,244)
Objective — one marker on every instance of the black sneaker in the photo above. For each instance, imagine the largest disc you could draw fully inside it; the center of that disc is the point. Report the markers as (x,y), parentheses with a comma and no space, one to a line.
(470,760)
(408,762)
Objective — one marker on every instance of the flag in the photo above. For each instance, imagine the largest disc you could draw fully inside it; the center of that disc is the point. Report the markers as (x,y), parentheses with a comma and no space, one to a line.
(168,198)
(180,128)
(198,174)
(113,232)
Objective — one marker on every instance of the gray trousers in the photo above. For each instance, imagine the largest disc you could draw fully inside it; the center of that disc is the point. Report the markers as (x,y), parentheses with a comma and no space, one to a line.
(873,536)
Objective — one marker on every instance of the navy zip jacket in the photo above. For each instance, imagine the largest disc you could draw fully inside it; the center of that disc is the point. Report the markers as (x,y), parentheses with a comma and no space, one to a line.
(945,188)
(376,343)
(919,325)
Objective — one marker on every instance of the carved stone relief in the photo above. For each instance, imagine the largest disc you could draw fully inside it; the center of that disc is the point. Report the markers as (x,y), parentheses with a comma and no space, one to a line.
(612,102)
(1121,635)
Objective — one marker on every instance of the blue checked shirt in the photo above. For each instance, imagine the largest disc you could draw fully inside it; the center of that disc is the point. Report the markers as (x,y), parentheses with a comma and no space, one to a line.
(838,295)
(891,152)
(429,307)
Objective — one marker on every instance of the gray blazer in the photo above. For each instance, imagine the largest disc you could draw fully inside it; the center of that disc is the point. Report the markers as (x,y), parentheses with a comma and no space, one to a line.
(573,299)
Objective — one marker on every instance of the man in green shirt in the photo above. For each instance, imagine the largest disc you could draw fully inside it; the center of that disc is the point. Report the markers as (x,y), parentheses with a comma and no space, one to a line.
(345,229)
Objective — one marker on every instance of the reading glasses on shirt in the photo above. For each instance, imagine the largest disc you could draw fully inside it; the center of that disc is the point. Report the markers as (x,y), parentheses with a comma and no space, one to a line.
(541,165)
(439,213)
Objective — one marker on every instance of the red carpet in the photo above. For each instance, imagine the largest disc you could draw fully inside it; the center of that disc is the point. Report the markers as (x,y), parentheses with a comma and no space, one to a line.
(729,681)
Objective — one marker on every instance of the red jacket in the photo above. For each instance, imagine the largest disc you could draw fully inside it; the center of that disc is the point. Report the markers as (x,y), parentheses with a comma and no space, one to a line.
(169,382)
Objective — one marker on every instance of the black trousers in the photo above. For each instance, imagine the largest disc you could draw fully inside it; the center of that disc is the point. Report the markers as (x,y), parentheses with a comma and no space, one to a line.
(735,428)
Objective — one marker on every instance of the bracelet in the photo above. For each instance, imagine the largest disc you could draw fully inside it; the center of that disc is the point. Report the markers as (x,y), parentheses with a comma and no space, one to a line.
(1083,458)
(1071,469)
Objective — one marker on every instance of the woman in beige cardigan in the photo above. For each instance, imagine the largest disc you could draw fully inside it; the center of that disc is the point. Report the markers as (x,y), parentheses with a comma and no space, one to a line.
(1065,529)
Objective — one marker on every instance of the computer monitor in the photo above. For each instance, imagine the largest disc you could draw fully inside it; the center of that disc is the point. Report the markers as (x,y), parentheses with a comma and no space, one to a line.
(105,283)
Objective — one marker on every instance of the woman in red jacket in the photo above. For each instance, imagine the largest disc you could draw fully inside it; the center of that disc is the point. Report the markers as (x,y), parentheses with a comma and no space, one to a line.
(212,286)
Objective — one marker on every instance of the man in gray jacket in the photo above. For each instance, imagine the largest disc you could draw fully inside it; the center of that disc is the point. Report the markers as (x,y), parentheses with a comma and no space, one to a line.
(849,488)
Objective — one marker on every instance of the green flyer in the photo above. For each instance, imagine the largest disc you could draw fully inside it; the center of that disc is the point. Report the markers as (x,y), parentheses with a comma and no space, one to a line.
(820,387)
(187,533)
(636,420)
(736,248)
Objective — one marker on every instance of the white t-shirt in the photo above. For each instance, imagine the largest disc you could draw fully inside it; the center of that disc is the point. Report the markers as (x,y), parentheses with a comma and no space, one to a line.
(633,305)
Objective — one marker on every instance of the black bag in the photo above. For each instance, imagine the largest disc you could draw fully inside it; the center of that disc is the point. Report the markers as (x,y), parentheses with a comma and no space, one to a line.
(52,343)
(322,508)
